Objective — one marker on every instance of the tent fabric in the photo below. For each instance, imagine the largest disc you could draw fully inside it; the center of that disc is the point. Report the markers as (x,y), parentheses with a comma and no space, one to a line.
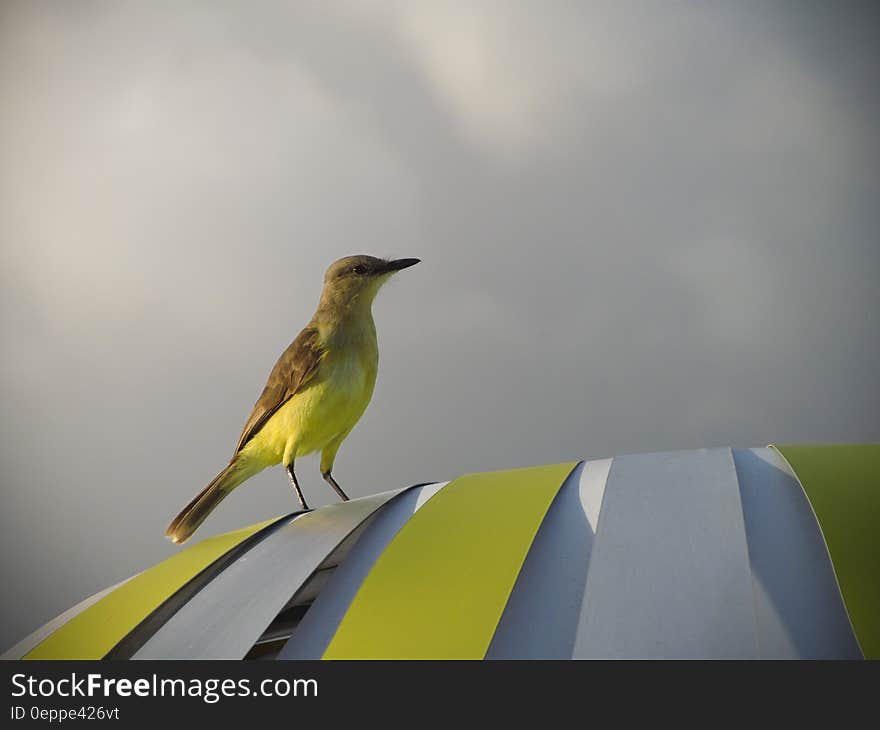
(541,617)
(778,583)
(669,571)
(225,618)
(440,587)
(719,553)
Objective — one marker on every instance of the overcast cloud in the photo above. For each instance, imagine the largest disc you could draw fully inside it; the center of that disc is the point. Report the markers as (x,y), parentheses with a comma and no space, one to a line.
(643,226)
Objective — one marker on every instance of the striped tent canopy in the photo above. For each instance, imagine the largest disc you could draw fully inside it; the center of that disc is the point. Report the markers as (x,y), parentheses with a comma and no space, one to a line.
(717,553)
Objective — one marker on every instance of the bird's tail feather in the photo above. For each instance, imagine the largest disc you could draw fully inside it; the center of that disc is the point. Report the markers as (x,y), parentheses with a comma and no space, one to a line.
(194,514)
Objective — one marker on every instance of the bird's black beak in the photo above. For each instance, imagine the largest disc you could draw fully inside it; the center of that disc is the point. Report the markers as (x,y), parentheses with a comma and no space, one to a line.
(399,264)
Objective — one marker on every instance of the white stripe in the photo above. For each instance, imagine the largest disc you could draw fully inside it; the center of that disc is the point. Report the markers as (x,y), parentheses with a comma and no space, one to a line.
(669,575)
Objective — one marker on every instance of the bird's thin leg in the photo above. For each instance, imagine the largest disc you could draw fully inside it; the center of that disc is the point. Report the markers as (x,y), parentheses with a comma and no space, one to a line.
(328,477)
(295,484)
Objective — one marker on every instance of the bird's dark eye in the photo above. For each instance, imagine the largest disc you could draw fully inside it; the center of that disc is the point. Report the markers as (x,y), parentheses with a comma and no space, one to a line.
(360,270)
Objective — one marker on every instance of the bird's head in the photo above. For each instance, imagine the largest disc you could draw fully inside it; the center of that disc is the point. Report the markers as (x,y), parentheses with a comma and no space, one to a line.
(354,280)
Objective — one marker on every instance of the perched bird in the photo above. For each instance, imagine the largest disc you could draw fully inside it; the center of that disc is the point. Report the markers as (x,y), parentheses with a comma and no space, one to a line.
(316,393)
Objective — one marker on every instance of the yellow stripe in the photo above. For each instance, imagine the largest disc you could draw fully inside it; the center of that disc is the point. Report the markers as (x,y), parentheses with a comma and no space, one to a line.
(842,482)
(440,587)
(95,631)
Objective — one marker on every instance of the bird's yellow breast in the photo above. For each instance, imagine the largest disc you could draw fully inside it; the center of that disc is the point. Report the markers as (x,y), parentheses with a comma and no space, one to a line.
(326,410)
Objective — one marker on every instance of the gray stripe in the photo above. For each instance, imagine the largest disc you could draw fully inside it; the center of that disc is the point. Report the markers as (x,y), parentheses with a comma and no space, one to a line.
(669,575)
(800,613)
(224,619)
(313,634)
(541,616)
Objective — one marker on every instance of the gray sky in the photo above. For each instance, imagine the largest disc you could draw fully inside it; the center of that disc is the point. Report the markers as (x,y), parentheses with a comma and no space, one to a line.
(643,226)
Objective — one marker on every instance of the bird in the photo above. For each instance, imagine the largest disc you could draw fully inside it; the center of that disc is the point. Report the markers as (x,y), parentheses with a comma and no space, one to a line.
(316,392)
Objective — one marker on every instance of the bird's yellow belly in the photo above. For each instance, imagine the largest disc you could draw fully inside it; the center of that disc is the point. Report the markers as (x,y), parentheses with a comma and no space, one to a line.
(312,419)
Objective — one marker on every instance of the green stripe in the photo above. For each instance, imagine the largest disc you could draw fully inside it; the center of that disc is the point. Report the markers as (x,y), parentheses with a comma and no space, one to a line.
(440,587)
(843,485)
(95,631)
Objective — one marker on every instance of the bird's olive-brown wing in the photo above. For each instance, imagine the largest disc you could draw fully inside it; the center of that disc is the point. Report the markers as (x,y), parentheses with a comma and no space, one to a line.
(293,371)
